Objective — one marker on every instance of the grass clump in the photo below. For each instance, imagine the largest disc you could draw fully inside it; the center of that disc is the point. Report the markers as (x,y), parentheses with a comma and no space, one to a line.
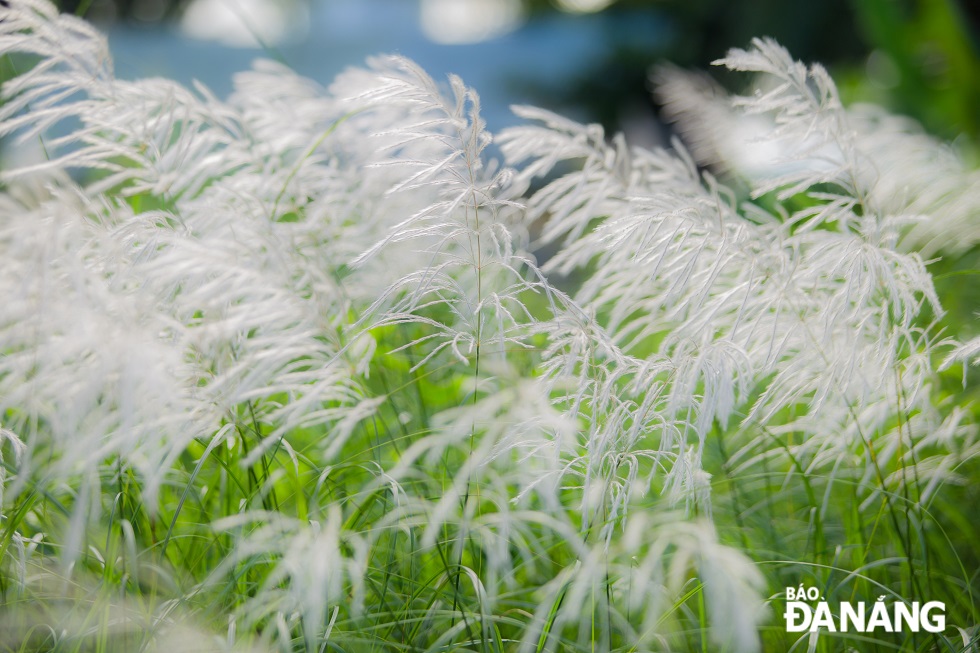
(282,372)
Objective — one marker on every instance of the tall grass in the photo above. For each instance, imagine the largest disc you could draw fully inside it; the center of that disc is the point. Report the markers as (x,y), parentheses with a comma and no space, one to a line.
(283,372)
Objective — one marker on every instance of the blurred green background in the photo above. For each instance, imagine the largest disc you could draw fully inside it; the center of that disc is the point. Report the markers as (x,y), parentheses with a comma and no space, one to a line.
(917,57)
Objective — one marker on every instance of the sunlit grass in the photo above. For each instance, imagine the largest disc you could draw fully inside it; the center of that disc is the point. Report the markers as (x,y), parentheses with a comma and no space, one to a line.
(283,373)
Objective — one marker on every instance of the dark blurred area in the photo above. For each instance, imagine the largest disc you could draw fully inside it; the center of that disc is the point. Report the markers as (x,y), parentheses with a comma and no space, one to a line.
(918,57)
(126,10)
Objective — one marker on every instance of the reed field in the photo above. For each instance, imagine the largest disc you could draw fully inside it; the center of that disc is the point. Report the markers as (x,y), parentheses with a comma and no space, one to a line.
(336,369)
